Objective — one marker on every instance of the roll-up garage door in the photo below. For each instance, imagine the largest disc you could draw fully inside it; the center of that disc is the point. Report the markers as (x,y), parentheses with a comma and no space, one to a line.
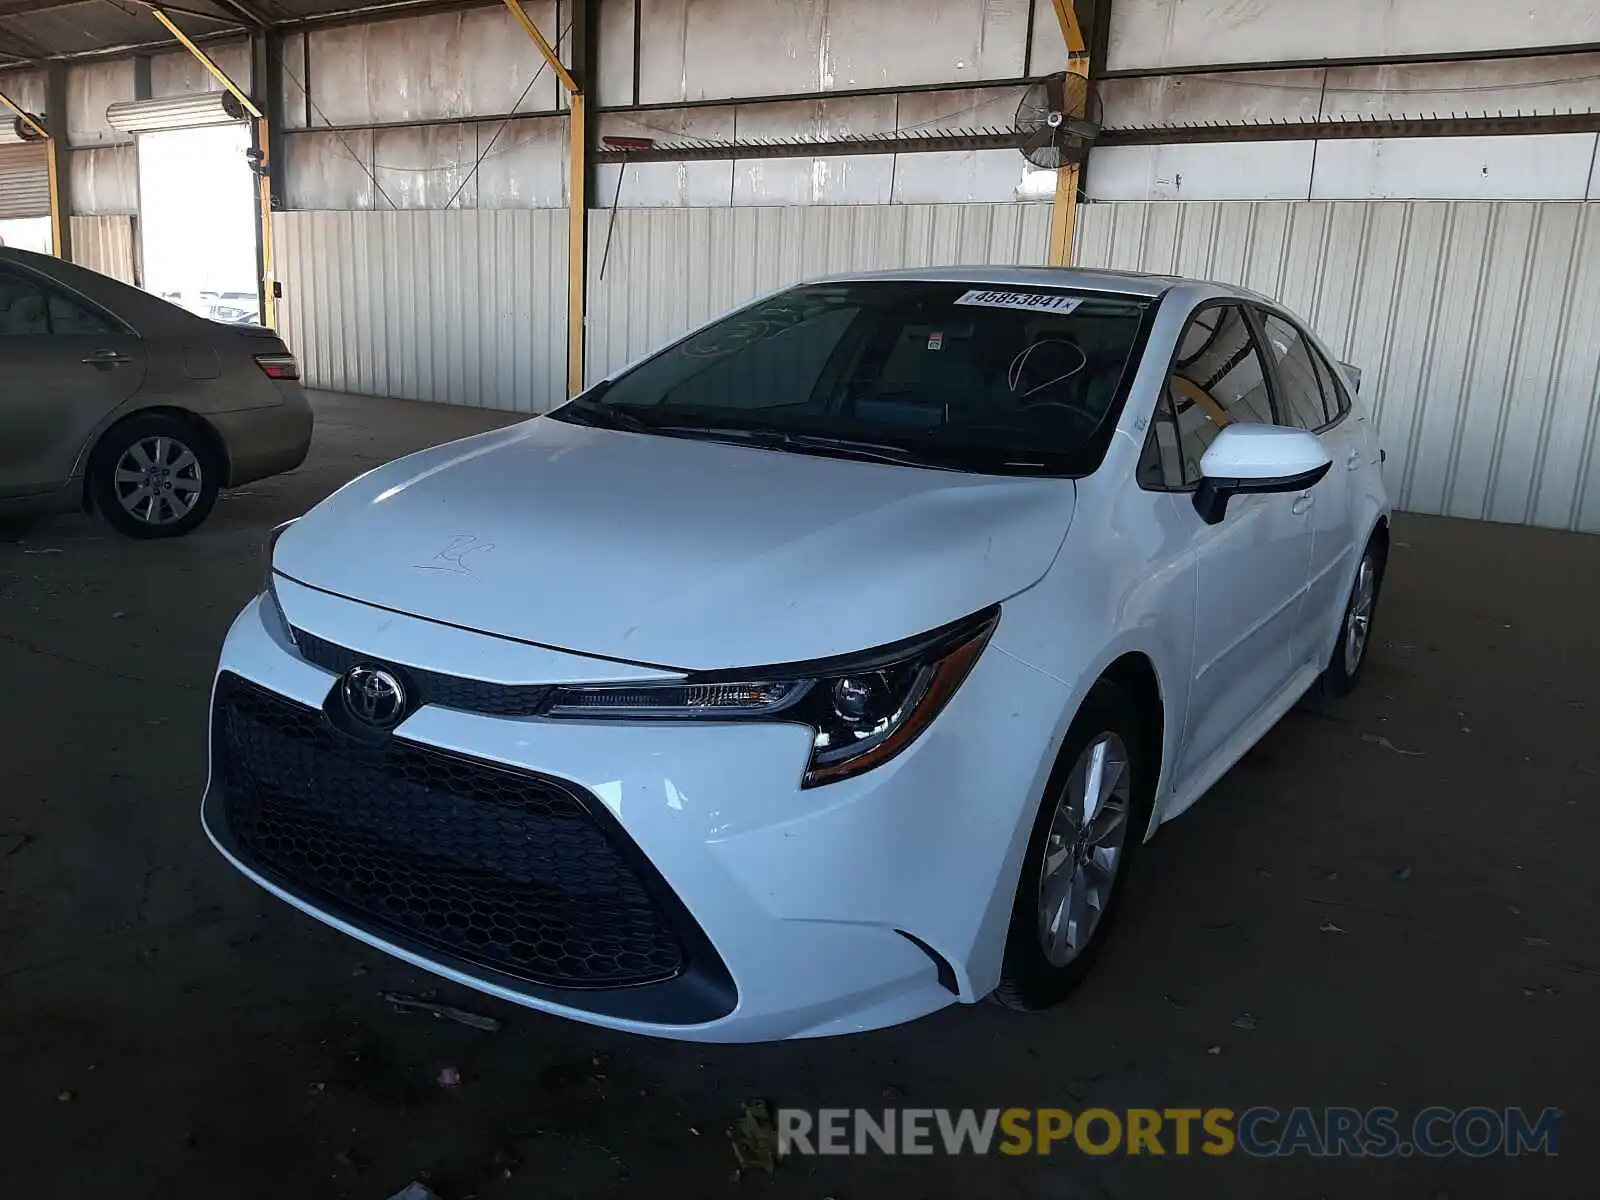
(174,112)
(24,180)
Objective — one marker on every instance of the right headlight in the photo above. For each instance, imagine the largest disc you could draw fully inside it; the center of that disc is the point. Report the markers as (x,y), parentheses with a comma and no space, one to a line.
(862,709)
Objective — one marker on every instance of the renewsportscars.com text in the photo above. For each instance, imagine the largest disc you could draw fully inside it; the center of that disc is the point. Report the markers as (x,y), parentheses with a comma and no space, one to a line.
(1260,1132)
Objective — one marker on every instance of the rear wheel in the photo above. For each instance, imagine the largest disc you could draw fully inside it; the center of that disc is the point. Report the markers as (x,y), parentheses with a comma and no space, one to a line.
(154,476)
(1089,827)
(1355,632)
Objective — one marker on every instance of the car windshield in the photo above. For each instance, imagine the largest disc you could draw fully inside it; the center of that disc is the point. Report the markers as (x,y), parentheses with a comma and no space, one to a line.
(996,379)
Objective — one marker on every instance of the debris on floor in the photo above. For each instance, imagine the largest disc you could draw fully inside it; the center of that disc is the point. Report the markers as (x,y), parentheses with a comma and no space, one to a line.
(1245,1022)
(403,1002)
(1329,927)
(1378,739)
(449,1077)
(755,1144)
(11,843)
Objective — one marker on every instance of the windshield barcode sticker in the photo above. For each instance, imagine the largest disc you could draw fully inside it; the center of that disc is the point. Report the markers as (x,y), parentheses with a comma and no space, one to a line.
(1035,301)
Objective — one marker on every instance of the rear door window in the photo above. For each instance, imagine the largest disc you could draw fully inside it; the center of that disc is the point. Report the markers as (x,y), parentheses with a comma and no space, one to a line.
(1301,402)
(31,308)
(24,308)
(1334,399)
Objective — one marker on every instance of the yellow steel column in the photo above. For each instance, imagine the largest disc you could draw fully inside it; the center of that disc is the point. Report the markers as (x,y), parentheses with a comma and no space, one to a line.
(58,219)
(269,298)
(577,242)
(577,199)
(1064,208)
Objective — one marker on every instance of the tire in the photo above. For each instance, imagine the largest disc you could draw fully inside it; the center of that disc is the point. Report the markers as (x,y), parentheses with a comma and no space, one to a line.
(141,497)
(1351,651)
(1046,957)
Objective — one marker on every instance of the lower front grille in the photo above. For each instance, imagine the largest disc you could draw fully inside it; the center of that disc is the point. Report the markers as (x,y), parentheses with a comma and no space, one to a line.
(500,868)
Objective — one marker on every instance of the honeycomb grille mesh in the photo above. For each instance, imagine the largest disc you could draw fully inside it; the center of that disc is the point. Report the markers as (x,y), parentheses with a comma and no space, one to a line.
(432,687)
(500,868)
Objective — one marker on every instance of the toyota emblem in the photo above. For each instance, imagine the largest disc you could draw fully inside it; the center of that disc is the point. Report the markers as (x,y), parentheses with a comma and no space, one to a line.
(373,696)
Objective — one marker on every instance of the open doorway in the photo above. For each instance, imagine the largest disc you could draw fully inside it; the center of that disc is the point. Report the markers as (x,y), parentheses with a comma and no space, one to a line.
(198,220)
(26,233)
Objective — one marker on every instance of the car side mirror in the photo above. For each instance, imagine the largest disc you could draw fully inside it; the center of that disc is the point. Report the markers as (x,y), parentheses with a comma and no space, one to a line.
(1353,374)
(1250,459)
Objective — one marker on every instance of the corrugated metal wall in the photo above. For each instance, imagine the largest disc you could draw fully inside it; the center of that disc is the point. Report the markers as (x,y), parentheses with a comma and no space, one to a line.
(470,307)
(670,269)
(460,307)
(105,244)
(1474,324)
(24,181)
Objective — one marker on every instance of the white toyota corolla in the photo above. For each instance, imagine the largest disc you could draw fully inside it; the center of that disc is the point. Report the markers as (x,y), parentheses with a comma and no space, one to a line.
(825,668)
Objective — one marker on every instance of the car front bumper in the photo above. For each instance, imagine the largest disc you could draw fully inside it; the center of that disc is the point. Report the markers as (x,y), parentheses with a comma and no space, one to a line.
(804,912)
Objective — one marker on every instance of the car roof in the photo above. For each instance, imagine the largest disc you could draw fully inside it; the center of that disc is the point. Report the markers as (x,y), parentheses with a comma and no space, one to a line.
(1091,279)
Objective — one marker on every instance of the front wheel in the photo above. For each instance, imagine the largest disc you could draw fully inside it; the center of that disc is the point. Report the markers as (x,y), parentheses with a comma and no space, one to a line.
(1089,826)
(154,476)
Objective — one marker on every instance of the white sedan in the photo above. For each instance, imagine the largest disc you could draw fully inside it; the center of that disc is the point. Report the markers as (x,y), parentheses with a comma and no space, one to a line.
(828,667)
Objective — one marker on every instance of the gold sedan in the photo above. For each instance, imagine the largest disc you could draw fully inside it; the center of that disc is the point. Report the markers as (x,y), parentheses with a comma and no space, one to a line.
(118,402)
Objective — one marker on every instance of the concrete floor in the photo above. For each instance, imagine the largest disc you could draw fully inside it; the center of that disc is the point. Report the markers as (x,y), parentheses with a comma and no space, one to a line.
(168,1030)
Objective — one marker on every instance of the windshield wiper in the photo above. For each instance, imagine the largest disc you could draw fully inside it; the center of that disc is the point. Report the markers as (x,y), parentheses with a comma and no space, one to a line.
(865,451)
(782,439)
(616,417)
(604,416)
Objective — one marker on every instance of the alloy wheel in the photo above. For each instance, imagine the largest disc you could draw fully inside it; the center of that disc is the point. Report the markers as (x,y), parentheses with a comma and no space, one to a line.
(1088,835)
(158,480)
(1358,621)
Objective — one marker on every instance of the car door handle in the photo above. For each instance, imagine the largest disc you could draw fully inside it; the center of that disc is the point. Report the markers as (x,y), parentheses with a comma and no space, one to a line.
(1303,503)
(105,358)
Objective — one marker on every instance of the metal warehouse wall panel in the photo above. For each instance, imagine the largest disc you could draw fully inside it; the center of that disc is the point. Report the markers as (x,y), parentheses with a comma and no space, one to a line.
(104,244)
(1473,323)
(24,181)
(671,269)
(1148,34)
(460,307)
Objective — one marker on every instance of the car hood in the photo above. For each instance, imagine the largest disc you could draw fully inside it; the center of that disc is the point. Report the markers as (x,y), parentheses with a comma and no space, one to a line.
(665,551)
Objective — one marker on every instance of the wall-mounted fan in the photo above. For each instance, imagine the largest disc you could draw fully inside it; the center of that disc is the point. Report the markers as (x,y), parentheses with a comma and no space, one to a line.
(1058,120)
(26,132)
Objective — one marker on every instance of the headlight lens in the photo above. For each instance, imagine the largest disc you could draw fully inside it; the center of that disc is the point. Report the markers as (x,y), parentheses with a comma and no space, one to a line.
(270,586)
(862,711)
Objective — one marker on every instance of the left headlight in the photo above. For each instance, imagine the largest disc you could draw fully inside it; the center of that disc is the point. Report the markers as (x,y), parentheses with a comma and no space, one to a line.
(863,709)
(270,586)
